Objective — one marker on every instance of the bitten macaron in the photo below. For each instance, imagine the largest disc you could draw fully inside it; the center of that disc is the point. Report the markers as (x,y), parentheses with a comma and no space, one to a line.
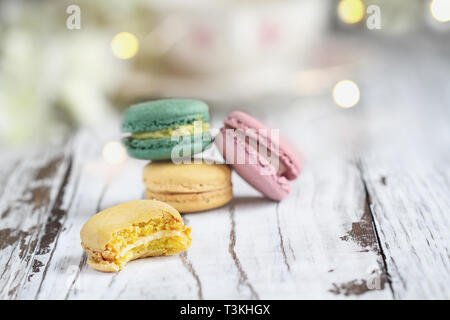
(133,230)
(188,187)
(152,125)
(240,142)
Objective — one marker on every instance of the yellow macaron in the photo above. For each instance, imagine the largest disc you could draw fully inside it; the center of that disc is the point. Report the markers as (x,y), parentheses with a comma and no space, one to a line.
(188,187)
(133,230)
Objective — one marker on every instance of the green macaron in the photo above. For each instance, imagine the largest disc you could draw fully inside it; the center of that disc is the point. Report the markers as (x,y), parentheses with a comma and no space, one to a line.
(160,128)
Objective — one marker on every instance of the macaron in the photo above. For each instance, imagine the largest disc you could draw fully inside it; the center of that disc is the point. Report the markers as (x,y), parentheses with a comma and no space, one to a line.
(188,187)
(160,129)
(133,230)
(241,140)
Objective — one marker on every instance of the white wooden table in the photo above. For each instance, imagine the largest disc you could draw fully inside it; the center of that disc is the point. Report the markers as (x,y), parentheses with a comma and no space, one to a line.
(368,218)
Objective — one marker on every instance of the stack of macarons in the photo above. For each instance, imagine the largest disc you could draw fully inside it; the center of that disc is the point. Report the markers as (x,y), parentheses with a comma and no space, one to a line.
(173,130)
(169,129)
(165,131)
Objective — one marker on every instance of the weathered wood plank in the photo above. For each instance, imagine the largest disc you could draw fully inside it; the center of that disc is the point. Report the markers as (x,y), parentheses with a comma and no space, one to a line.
(29,193)
(411,212)
(406,168)
(251,248)
(36,278)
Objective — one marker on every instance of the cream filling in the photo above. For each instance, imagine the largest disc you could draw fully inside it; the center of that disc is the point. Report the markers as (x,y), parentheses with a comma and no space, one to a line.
(196,127)
(154,236)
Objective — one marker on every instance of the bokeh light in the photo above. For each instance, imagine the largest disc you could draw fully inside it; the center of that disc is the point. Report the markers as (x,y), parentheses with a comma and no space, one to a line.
(124,45)
(440,10)
(346,94)
(351,11)
(114,153)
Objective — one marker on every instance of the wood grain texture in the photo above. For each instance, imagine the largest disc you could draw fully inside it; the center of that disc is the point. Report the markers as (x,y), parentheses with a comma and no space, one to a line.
(29,216)
(407,173)
(368,217)
(252,248)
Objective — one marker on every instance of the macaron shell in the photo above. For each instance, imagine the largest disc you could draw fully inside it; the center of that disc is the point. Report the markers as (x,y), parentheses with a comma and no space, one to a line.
(104,266)
(168,177)
(164,113)
(193,202)
(98,230)
(188,187)
(290,160)
(261,175)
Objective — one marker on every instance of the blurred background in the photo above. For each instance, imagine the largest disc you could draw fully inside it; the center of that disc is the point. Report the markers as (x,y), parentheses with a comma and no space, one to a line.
(71,64)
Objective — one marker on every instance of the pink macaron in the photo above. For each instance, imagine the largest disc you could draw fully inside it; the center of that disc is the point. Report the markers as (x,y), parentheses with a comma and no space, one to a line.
(258,154)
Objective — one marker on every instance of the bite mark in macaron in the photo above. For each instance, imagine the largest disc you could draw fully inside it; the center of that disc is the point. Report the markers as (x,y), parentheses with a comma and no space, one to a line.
(133,230)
